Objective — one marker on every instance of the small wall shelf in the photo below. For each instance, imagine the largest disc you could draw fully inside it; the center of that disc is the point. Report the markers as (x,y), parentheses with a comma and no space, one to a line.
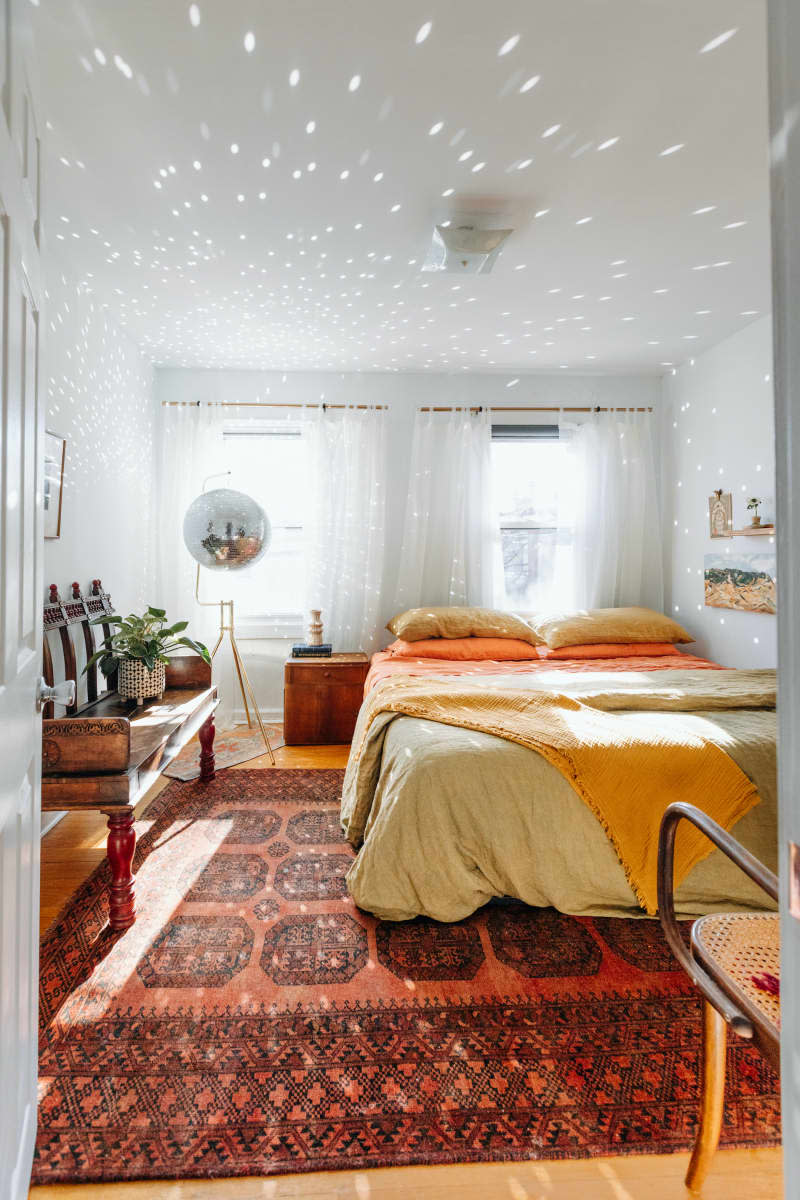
(754,531)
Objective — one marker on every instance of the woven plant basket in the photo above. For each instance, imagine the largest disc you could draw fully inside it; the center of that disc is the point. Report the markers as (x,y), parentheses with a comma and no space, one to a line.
(135,682)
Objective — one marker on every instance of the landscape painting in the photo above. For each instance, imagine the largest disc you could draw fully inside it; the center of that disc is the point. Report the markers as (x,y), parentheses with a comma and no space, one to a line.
(742,581)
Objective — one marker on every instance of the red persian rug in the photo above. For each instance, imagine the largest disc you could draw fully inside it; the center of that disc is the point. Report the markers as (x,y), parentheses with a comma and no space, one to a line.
(231,747)
(254,1022)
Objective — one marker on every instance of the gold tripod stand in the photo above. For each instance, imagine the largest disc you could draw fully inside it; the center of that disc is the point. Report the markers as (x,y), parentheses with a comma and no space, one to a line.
(245,686)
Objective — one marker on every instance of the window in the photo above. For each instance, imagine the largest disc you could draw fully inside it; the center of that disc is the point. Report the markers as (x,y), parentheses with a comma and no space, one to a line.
(270,464)
(531,479)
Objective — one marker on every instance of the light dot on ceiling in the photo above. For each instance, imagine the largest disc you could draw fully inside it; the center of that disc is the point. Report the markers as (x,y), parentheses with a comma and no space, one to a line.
(671,150)
(378,177)
(734,225)
(448,191)
(478,166)
(508,45)
(583,221)
(719,40)
(526,162)
(354,84)
(437,128)
(197,165)
(294,77)
(706,209)
(311,126)
(423,32)
(101,58)
(550,131)
(608,143)
(234,148)
(344,174)
(249,41)
(530,83)
(542,212)
(194,15)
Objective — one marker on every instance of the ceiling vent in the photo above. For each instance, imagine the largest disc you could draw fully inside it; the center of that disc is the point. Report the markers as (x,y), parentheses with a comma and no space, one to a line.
(465,249)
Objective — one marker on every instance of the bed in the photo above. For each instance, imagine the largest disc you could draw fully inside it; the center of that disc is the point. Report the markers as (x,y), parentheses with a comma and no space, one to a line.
(447,818)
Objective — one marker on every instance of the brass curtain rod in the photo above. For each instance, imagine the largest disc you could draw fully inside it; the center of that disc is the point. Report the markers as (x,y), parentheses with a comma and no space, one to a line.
(382,407)
(260,404)
(528,408)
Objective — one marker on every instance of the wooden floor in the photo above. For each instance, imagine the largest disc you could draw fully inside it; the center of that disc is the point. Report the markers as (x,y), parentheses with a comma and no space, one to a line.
(74,848)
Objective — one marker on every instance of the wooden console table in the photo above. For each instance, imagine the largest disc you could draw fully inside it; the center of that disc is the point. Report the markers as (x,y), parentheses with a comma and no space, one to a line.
(110,752)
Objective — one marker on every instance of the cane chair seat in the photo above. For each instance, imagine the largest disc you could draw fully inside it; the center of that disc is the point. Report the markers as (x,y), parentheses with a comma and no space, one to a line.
(738,949)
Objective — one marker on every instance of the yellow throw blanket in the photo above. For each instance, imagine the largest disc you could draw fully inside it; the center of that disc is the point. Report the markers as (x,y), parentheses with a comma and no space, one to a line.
(627,765)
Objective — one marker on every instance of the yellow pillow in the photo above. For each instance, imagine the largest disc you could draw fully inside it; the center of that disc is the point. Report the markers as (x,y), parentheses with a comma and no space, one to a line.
(592,626)
(460,622)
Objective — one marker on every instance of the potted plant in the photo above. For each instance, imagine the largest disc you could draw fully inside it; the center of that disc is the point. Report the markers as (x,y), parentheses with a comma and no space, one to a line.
(139,647)
(752,506)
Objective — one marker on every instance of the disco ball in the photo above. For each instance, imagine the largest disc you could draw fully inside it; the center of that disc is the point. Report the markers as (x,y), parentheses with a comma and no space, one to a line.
(225,530)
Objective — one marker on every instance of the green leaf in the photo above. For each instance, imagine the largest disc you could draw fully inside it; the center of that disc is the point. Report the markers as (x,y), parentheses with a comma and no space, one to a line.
(178,627)
(98,654)
(109,619)
(157,612)
(198,648)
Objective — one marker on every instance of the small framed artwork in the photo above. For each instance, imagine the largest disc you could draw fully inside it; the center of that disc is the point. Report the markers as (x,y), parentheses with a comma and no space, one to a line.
(720,514)
(746,582)
(55,453)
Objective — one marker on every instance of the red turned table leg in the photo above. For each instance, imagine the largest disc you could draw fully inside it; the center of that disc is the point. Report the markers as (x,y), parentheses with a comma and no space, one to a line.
(207,732)
(120,847)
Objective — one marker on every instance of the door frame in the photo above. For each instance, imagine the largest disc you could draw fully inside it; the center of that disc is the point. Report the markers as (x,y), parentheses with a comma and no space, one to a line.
(783,25)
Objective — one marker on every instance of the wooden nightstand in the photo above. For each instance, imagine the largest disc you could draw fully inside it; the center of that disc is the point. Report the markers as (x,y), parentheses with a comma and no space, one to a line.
(321,698)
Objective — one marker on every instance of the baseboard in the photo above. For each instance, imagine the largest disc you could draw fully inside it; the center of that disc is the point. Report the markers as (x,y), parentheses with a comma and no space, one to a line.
(49,820)
(268,715)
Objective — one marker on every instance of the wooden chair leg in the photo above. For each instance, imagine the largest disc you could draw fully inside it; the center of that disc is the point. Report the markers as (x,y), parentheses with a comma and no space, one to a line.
(207,761)
(711,1104)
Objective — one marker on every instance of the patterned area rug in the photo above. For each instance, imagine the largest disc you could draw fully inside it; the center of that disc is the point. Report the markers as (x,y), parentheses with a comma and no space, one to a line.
(253,1021)
(233,746)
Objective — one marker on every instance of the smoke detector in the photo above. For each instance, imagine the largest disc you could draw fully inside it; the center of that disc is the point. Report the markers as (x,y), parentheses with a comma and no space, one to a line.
(464,249)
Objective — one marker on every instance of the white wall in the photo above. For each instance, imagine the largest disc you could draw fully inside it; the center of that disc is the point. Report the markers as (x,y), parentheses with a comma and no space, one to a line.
(402,392)
(100,398)
(718,423)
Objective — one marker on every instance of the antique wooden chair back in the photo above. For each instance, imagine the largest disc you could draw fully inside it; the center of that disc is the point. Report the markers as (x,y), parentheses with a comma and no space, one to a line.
(71,618)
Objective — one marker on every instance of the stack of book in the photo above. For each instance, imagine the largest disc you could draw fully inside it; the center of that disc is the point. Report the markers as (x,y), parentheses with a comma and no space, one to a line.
(301,650)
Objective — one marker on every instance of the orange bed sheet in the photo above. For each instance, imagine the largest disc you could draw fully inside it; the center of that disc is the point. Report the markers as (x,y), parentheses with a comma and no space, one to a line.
(385,665)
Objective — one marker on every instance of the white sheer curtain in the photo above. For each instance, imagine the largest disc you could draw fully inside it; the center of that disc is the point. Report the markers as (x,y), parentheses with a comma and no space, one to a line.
(348,456)
(191,448)
(450,534)
(618,548)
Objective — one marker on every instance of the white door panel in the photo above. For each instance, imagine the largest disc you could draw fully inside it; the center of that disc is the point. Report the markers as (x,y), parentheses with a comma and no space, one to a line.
(21,546)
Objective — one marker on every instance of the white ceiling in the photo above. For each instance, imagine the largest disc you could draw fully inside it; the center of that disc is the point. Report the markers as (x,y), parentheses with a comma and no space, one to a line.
(210,258)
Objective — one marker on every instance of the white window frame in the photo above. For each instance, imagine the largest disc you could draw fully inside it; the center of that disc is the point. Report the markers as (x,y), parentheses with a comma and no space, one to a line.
(524,433)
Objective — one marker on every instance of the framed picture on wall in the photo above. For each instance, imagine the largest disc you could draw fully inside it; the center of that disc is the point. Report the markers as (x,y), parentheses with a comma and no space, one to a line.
(720,514)
(742,581)
(55,453)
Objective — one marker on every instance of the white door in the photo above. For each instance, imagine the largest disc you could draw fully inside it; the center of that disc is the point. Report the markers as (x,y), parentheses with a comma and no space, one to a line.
(784,69)
(21,546)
